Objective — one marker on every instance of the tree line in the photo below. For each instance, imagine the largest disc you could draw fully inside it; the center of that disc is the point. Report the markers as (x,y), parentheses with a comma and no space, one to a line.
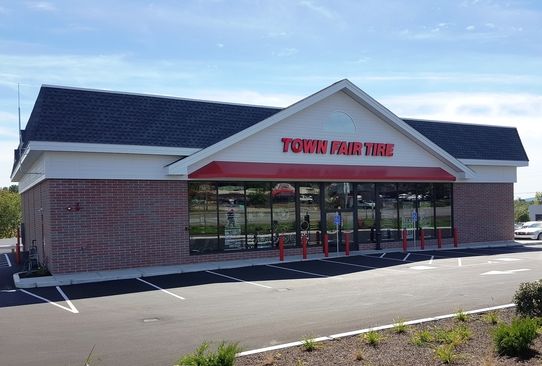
(521,207)
(10,211)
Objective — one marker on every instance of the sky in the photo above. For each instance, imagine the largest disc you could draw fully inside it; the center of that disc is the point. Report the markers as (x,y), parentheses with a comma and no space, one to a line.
(474,61)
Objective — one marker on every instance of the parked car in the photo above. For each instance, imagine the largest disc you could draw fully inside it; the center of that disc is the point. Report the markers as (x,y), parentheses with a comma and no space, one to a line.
(305,199)
(529,230)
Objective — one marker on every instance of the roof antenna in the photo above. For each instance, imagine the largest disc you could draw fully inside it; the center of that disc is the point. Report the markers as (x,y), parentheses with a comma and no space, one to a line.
(19,110)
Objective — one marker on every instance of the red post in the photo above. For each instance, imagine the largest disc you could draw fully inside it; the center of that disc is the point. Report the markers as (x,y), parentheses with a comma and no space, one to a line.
(281,248)
(326,246)
(456,238)
(422,239)
(304,240)
(18,247)
(404,240)
(346,244)
(439,238)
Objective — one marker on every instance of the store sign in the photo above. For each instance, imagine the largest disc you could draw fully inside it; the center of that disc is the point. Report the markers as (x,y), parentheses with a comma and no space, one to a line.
(336,147)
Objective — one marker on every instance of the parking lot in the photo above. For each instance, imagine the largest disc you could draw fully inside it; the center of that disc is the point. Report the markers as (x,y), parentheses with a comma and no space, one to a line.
(154,320)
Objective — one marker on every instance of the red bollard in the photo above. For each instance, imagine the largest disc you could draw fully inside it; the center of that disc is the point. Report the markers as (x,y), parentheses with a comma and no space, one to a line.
(304,245)
(439,238)
(404,240)
(281,248)
(456,238)
(346,244)
(18,247)
(326,246)
(422,239)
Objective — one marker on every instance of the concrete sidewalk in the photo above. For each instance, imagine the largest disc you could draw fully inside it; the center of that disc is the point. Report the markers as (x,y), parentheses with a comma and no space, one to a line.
(123,274)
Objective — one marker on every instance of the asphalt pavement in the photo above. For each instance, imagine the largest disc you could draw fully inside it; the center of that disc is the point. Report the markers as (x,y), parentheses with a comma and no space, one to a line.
(154,320)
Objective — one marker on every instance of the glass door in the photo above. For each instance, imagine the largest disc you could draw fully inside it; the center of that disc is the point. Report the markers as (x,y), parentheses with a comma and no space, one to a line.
(338,205)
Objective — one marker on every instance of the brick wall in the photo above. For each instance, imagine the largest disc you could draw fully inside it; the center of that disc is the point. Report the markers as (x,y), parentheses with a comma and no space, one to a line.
(484,211)
(36,217)
(110,224)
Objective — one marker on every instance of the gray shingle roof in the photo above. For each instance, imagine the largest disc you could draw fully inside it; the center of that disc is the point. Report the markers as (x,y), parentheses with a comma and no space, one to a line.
(89,116)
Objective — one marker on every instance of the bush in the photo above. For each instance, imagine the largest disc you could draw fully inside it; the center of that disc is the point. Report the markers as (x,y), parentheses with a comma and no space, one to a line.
(309,344)
(372,337)
(491,318)
(421,337)
(399,327)
(446,354)
(224,355)
(461,316)
(516,338)
(528,299)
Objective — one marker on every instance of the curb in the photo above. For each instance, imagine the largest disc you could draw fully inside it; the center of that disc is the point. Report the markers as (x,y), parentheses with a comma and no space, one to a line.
(366,330)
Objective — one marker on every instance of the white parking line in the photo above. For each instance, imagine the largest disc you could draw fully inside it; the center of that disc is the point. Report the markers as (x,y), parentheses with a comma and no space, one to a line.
(386,258)
(382,255)
(297,270)
(431,260)
(161,289)
(459,264)
(7,259)
(238,279)
(406,257)
(348,264)
(71,309)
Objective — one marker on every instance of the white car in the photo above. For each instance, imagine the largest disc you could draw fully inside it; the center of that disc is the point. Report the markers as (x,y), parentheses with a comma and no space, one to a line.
(305,199)
(529,230)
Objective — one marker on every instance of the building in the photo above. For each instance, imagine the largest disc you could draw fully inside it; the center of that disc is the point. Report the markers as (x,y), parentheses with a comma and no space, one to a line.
(117,180)
(535,212)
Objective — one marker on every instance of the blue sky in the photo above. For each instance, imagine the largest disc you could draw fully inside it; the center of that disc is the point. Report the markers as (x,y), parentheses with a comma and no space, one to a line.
(470,61)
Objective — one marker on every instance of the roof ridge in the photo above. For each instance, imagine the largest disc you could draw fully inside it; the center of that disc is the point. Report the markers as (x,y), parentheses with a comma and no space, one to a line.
(158,96)
(455,122)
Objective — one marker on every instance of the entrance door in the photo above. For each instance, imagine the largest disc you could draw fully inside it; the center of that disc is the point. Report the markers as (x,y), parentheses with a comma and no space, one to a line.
(338,206)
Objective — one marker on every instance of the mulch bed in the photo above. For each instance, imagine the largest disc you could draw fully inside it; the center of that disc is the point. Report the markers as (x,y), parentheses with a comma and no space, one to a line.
(398,349)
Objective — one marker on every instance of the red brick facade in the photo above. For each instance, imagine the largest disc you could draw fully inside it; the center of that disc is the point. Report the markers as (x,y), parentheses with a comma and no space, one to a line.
(91,225)
(484,211)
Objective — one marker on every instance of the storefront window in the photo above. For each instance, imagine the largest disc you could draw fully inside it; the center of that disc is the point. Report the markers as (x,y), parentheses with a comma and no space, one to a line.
(203,217)
(388,211)
(426,219)
(258,215)
(338,196)
(231,215)
(366,205)
(309,202)
(443,208)
(284,218)
(406,196)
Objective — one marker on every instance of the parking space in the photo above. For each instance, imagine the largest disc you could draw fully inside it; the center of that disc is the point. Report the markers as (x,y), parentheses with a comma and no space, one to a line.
(189,285)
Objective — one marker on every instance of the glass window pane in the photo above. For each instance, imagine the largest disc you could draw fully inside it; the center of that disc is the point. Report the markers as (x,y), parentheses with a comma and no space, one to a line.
(425,209)
(338,196)
(443,203)
(388,211)
(258,215)
(406,195)
(309,201)
(203,220)
(231,215)
(284,221)
(366,212)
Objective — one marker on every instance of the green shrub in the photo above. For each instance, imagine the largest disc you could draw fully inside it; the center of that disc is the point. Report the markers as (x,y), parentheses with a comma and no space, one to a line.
(461,316)
(421,337)
(309,344)
(528,299)
(446,353)
(491,318)
(372,337)
(224,355)
(399,327)
(516,338)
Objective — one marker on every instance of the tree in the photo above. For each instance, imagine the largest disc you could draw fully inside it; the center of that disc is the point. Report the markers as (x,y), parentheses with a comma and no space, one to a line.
(521,210)
(538,198)
(10,211)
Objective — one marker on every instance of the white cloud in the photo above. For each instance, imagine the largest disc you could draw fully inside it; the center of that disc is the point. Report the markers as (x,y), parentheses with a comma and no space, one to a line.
(319,9)
(470,28)
(285,52)
(40,5)
(522,111)
(220,45)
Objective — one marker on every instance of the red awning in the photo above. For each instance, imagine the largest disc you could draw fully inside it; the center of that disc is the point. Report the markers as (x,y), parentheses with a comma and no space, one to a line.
(317,172)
